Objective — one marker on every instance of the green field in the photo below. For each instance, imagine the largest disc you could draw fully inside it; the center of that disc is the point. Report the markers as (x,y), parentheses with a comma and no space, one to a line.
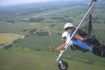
(28,59)
(35,23)
(33,52)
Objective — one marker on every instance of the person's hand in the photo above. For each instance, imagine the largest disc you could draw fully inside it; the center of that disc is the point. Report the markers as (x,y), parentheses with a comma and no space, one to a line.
(52,49)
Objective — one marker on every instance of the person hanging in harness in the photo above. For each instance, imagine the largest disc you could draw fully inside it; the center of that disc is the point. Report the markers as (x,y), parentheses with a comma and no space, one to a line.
(80,41)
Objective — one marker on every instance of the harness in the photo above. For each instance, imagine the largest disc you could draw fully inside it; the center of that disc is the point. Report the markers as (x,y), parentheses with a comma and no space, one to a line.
(91,40)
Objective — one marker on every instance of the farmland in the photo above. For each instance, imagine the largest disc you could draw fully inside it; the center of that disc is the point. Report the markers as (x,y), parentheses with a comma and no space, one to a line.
(8,37)
(42,27)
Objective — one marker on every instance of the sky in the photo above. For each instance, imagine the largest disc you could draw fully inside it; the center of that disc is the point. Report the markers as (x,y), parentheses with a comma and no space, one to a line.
(14,2)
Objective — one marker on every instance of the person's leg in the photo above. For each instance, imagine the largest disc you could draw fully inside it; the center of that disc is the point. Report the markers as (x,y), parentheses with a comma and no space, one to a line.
(93,41)
(100,51)
(82,44)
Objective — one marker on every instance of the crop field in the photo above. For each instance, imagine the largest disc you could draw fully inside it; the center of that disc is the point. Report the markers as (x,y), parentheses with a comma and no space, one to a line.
(17,28)
(41,26)
(9,37)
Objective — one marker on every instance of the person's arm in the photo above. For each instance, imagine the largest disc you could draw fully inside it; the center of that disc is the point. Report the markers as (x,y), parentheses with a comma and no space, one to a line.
(77,36)
(61,46)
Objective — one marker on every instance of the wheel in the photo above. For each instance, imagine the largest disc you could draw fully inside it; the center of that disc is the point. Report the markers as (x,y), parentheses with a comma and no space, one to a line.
(63,65)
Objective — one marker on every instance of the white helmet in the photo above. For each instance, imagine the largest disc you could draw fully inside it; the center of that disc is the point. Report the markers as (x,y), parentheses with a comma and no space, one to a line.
(68,25)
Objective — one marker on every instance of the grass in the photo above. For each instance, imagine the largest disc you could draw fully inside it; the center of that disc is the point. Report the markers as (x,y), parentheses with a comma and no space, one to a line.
(38,42)
(28,59)
(25,59)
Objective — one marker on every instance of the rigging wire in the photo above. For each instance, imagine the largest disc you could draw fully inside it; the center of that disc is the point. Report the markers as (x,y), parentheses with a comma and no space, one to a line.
(90,26)
(88,22)
(50,37)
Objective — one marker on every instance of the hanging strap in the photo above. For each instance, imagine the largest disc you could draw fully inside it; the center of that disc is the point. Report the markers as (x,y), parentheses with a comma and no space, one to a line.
(90,19)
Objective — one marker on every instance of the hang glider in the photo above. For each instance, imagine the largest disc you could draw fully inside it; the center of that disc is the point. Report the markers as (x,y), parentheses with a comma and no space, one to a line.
(97,50)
